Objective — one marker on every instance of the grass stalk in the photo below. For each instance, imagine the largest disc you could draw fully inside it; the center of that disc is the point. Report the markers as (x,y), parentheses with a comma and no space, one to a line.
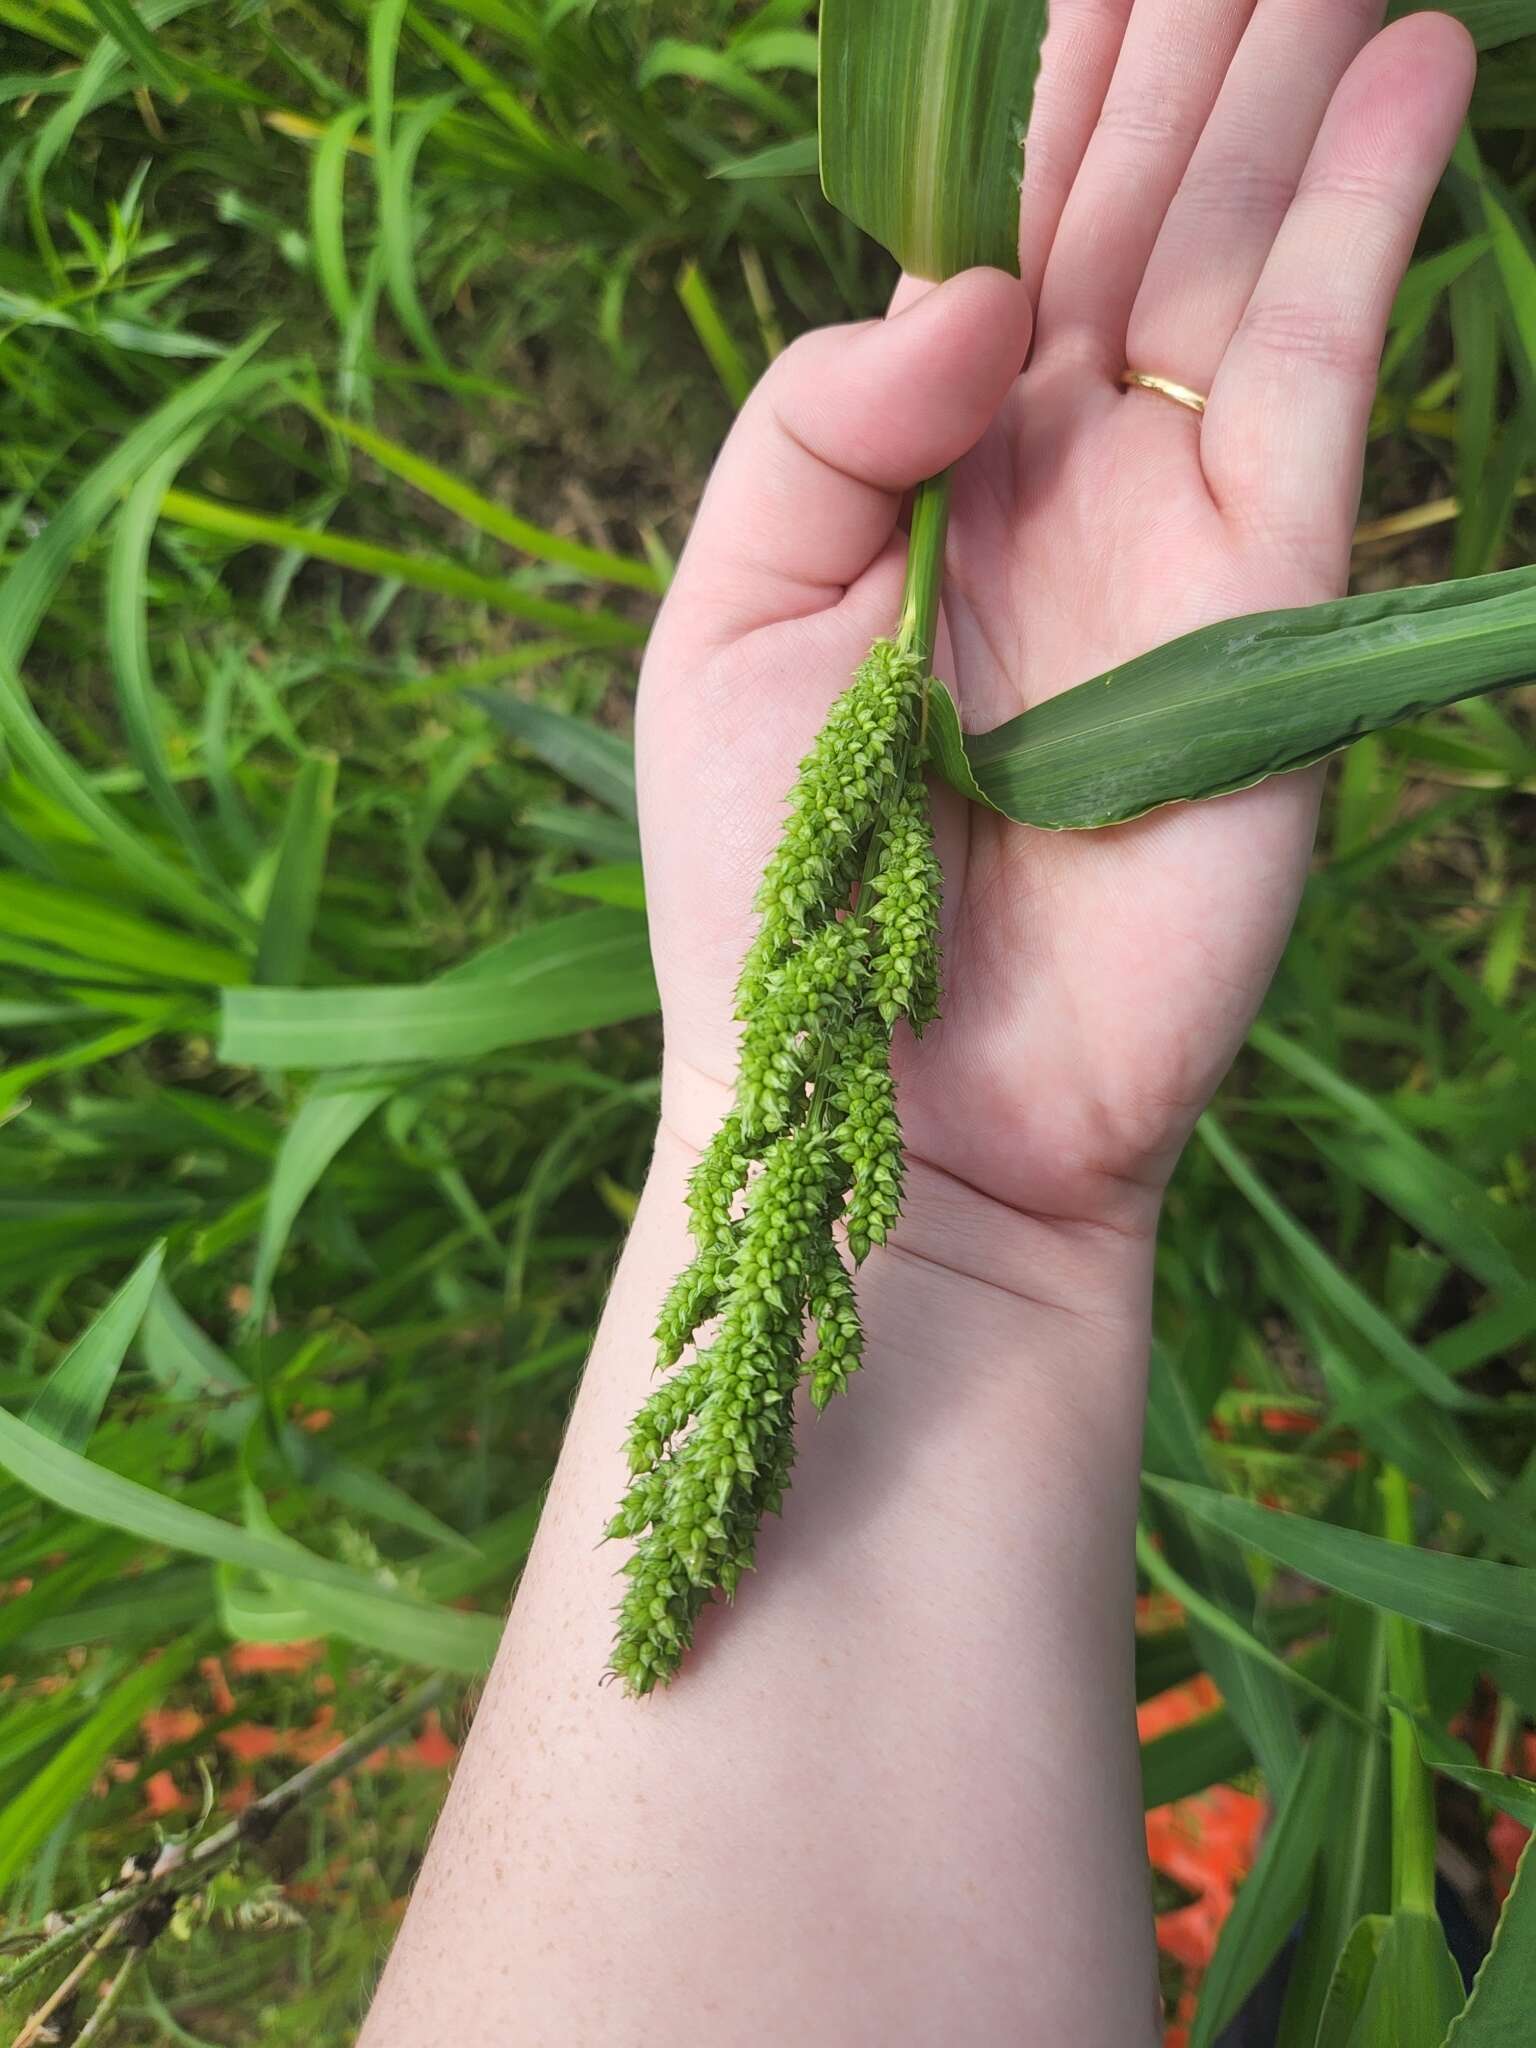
(1413,1799)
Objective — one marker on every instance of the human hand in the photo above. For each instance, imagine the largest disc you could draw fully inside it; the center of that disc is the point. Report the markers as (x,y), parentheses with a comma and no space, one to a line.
(1220,192)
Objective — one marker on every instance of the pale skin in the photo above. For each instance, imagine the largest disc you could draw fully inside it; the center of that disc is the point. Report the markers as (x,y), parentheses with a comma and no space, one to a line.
(893,1796)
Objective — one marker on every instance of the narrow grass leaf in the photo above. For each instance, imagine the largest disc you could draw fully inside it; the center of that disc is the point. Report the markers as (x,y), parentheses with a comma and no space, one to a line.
(1220,1629)
(573,974)
(69,1406)
(796,159)
(924,109)
(95,82)
(718,343)
(150,1603)
(1498,2014)
(121,20)
(577,829)
(621,883)
(1415,1990)
(415,1632)
(1512,252)
(282,949)
(327,211)
(1255,1695)
(489,668)
(33,22)
(1484,1336)
(1420,294)
(1429,1445)
(477,510)
(184,1360)
(17,1080)
(488,85)
(1332,1285)
(1165,1657)
(1471,1598)
(598,761)
(1407,1955)
(1442,1752)
(766,48)
(329,1116)
(395,168)
(394,165)
(98,1494)
(29,586)
(1223,708)
(1475,333)
(35,1724)
(1441,1201)
(25,594)
(371,1494)
(439,1638)
(91,929)
(700,65)
(253,1610)
(594,628)
(128,643)
(1351,1982)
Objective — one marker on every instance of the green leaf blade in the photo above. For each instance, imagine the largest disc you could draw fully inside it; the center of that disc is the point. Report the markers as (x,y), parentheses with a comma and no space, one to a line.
(70,1404)
(573,974)
(923,113)
(353,1600)
(1498,2014)
(282,950)
(329,1117)
(1223,708)
(1415,1991)
(1471,1598)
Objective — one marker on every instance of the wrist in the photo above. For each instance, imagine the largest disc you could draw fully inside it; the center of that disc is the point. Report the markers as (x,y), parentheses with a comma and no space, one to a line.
(956,1241)
(1001,1356)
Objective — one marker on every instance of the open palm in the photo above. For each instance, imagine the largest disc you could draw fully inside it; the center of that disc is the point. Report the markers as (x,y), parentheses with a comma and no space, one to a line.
(1222,192)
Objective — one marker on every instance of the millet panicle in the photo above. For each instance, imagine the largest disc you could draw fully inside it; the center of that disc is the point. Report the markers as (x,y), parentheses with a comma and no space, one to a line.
(847,946)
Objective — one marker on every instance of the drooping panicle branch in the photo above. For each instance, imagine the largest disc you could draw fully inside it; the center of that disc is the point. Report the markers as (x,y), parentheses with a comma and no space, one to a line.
(847,946)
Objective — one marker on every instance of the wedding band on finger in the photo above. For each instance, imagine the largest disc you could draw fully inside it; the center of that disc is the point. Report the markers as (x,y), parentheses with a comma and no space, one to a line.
(1165,387)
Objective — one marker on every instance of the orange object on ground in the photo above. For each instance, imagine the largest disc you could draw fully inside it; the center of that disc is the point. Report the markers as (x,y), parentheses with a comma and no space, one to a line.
(246,1658)
(1205,1844)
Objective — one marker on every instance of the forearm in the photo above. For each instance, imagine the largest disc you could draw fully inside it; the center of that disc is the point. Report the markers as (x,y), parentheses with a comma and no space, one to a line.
(912,1736)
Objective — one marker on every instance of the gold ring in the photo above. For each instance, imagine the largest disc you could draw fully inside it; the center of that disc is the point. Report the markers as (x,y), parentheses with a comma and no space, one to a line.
(1143,380)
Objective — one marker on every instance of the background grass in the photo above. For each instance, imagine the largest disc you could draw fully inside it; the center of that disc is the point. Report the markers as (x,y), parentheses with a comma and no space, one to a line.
(429,319)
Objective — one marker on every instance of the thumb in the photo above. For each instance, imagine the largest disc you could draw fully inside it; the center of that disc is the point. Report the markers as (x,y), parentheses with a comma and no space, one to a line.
(808,488)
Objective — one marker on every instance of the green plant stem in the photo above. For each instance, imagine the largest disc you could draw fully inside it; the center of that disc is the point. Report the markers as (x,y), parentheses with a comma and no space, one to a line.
(1413,1808)
(919,625)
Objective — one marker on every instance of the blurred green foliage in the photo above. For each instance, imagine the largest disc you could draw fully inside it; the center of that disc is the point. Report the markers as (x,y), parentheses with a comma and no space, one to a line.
(359,368)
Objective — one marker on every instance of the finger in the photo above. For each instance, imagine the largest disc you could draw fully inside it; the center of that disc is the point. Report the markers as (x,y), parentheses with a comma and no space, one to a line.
(1171,65)
(1240,183)
(809,486)
(1284,435)
(1076,64)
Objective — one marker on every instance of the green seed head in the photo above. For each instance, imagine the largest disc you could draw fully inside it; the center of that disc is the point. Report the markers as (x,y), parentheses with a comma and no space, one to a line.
(847,945)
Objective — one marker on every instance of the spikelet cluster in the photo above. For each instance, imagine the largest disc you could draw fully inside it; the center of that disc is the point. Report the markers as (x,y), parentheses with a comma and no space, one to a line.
(847,946)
